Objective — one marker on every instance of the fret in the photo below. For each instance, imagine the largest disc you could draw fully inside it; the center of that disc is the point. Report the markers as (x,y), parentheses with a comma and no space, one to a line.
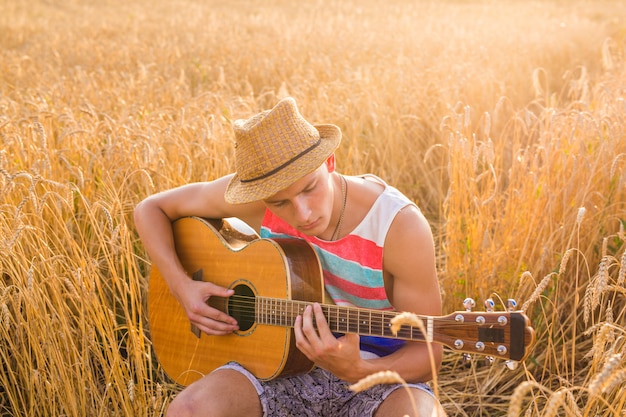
(257,311)
(260,306)
(291,315)
(342,320)
(273,311)
(362,321)
(406,332)
(358,321)
(283,313)
(295,311)
(330,312)
(385,324)
(353,321)
(267,309)
(376,324)
(280,306)
(266,312)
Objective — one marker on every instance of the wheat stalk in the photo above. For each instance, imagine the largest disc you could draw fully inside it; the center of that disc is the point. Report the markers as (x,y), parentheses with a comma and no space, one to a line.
(604,379)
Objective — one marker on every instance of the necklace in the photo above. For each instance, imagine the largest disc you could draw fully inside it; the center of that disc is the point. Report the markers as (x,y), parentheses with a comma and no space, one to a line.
(344,194)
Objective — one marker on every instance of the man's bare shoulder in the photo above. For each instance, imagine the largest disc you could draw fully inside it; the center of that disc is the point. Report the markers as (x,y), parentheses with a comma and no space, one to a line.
(409,241)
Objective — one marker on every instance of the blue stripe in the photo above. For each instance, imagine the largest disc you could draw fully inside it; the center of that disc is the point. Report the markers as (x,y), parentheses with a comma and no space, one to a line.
(268,234)
(380,346)
(367,277)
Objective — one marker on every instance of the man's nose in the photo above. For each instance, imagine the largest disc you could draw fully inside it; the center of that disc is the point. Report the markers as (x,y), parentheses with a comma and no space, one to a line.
(301,210)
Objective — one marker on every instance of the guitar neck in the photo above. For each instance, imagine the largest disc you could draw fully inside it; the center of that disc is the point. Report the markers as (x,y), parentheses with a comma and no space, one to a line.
(341,319)
(505,333)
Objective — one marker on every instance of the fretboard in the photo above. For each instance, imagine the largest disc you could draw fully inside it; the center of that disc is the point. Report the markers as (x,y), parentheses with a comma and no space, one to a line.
(367,322)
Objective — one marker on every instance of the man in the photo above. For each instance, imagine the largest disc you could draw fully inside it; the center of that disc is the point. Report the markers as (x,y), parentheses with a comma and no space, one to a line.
(376,250)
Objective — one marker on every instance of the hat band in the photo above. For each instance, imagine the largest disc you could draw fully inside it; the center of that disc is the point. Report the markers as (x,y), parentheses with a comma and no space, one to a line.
(275,170)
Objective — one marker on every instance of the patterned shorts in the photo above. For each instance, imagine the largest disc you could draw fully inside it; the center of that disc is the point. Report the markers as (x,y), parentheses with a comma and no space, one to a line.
(317,393)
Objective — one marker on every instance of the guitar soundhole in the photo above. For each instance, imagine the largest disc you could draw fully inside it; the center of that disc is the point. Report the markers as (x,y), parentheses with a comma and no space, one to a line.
(241,306)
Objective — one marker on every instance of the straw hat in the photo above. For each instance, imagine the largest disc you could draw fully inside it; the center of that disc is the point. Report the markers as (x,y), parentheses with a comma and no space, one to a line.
(274,149)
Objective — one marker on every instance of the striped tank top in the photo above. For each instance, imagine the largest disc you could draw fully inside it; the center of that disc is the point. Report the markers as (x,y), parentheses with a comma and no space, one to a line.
(352,265)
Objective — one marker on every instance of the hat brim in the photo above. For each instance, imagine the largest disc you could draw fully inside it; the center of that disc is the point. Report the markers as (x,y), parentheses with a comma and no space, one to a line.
(239,192)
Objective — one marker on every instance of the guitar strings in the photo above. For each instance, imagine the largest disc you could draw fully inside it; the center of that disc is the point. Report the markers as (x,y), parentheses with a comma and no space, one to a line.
(270,307)
(274,312)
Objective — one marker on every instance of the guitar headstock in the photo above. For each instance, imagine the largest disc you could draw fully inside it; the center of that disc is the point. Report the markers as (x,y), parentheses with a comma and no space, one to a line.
(497,334)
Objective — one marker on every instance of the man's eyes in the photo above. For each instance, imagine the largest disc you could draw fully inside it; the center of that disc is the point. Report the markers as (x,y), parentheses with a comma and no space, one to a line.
(282,203)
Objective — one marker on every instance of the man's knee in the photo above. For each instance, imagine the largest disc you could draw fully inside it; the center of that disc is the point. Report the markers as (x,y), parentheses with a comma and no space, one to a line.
(419,402)
(179,408)
(220,394)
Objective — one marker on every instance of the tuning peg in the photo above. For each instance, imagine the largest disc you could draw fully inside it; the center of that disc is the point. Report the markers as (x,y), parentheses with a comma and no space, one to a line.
(511,304)
(512,365)
(466,359)
(489,360)
(489,305)
(469,304)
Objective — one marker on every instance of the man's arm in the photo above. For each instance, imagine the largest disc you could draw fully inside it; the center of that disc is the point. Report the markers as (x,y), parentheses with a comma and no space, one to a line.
(412,285)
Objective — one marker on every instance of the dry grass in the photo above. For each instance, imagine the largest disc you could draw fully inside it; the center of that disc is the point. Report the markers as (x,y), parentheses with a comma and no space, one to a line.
(505,121)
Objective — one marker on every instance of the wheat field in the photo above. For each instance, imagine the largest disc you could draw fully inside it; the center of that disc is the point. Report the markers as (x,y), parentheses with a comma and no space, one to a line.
(504,120)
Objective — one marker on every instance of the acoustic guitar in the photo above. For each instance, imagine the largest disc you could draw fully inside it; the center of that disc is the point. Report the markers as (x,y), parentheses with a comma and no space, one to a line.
(274,280)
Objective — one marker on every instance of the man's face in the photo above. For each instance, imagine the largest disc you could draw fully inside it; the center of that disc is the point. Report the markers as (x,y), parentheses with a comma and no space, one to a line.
(306,204)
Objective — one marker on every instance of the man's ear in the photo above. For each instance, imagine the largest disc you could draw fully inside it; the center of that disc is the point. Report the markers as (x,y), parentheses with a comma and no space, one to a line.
(330,163)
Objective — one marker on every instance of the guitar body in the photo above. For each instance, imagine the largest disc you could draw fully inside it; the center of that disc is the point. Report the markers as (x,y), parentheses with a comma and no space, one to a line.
(212,250)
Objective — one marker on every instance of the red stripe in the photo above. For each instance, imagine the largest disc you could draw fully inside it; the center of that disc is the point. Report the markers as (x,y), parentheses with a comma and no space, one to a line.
(368,254)
(356,249)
